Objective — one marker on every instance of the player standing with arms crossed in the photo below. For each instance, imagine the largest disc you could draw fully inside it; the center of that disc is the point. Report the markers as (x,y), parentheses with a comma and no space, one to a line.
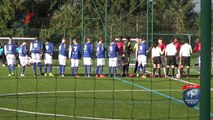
(170,54)
(141,53)
(162,46)
(88,48)
(62,57)
(112,53)
(48,59)
(185,53)
(75,54)
(36,54)
(100,54)
(23,57)
(10,51)
(120,55)
(126,56)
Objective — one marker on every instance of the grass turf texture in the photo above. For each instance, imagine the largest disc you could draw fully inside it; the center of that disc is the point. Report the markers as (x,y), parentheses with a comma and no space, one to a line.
(65,98)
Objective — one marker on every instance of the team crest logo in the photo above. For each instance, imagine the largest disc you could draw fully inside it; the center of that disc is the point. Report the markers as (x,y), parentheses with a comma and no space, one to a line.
(191,95)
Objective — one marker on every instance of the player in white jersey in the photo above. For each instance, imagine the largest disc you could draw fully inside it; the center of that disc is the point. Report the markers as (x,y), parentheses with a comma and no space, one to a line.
(156,59)
(185,53)
(170,54)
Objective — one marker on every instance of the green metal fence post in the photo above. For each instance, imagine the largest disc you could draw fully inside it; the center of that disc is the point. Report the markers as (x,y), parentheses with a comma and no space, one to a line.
(147,20)
(82,22)
(205,78)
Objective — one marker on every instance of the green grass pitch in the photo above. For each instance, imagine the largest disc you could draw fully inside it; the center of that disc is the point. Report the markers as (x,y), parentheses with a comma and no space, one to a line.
(67,98)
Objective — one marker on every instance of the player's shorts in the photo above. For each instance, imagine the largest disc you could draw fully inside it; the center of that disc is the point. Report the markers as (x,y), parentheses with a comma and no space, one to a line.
(171,60)
(113,62)
(48,59)
(62,59)
(29,60)
(11,59)
(23,60)
(74,62)
(157,60)
(100,61)
(126,58)
(87,61)
(142,60)
(120,60)
(185,61)
(36,57)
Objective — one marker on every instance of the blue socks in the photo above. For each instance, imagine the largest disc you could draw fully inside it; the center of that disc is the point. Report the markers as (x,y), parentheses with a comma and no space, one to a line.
(97,69)
(22,69)
(8,69)
(101,69)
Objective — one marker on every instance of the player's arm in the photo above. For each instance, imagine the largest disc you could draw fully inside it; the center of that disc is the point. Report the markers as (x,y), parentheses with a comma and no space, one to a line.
(70,52)
(136,53)
(5,50)
(91,51)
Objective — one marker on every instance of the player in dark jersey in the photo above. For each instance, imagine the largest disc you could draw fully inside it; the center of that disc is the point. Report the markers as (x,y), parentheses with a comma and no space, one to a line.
(126,55)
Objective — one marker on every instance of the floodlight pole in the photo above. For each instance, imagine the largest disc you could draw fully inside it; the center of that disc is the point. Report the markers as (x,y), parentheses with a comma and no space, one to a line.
(147,20)
(152,37)
(205,72)
(106,21)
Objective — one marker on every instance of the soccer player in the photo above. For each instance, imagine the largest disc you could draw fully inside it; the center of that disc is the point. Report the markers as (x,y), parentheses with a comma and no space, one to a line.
(185,52)
(36,54)
(23,56)
(162,46)
(136,62)
(156,59)
(170,54)
(48,59)
(75,54)
(17,52)
(112,53)
(100,54)
(197,49)
(141,53)
(62,57)
(126,56)
(88,48)
(10,52)
(120,55)
(178,46)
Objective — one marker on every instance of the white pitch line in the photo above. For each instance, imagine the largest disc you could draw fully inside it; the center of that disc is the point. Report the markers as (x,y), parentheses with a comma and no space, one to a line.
(54,115)
(183,81)
(87,91)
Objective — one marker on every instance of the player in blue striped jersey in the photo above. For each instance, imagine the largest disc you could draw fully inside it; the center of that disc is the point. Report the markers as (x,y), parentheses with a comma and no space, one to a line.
(62,57)
(10,51)
(48,53)
(112,53)
(75,53)
(36,54)
(141,53)
(23,56)
(100,54)
(87,57)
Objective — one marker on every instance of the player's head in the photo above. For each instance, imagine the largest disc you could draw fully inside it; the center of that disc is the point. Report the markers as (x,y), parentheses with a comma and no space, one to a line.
(74,41)
(198,40)
(160,41)
(36,38)
(100,40)
(143,40)
(89,39)
(120,39)
(10,40)
(172,41)
(187,41)
(112,40)
(138,40)
(24,43)
(176,39)
(47,40)
(128,39)
(155,44)
(63,40)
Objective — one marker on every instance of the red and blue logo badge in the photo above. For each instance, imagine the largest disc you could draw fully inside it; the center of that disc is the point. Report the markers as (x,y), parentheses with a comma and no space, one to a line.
(191,94)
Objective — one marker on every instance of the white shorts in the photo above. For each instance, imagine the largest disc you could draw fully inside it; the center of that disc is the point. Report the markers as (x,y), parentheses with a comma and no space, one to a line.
(87,61)
(29,60)
(11,59)
(100,61)
(113,62)
(36,57)
(74,62)
(62,59)
(48,59)
(142,60)
(23,60)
